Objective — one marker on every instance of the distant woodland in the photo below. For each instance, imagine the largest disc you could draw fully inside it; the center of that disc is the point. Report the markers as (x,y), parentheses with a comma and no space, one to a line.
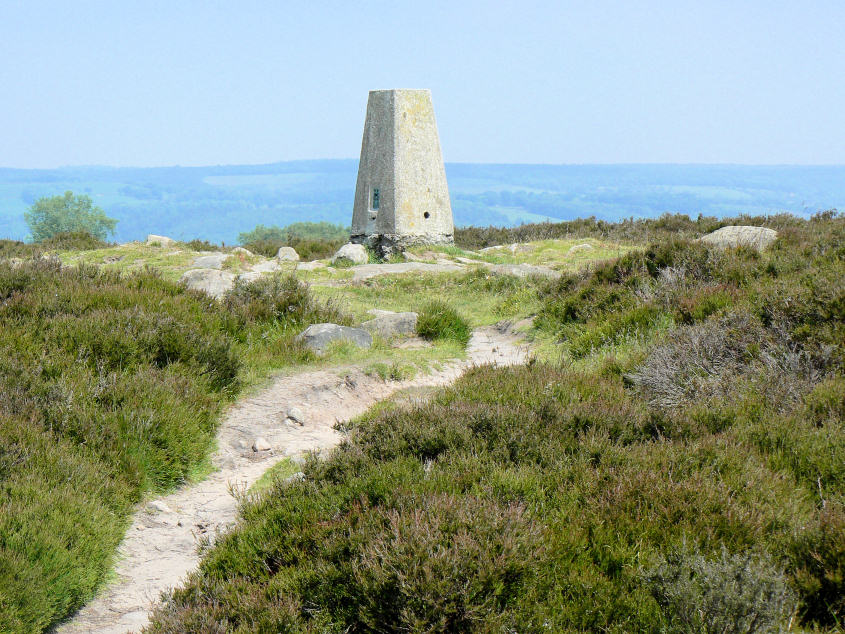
(218,203)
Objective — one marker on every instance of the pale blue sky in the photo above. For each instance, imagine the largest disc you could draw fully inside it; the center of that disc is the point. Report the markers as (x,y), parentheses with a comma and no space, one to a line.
(202,82)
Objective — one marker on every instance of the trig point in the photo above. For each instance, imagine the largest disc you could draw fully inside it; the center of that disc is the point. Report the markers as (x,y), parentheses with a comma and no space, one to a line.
(401,198)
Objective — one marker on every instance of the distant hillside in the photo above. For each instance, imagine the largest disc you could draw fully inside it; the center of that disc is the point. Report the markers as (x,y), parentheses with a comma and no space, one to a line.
(216,203)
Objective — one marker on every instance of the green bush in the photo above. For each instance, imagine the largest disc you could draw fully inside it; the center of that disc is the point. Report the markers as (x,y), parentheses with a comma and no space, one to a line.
(438,320)
(52,215)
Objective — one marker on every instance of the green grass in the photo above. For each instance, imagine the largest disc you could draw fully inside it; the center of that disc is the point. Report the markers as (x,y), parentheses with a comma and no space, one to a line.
(680,469)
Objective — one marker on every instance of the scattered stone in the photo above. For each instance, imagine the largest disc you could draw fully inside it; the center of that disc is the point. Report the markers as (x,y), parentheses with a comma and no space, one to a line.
(261,444)
(354,253)
(242,251)
(295,414)
(210,281)
(267,266)
(310,266)
(318,336)
(213,261)
(287,254)
(249,276)
(111,259)
(584,246)
(392,324)
(741,235)
(162,241)
(158,506)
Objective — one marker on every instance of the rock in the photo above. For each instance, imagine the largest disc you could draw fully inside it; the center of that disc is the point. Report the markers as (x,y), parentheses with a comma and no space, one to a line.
(392,324)
(213,261)
(161,241)
(261,444)
(318,336)
(295,414)
(310,266)
(249,276)
(585,246)
(158,506)
(242,251)
(355,253)
(111,259)
(209,281)
(267,266)
(741,235)
(287,254)
(299,476)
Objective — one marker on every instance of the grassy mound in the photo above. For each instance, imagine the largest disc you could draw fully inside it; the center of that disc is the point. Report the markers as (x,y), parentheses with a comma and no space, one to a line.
(438,320)
(110,387)
(680,471)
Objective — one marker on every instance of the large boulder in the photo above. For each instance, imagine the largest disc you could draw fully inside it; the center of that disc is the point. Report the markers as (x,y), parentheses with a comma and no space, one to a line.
(210,281)
(354,253)
(388,324)
(287,254)
(318,336)
(161,241)
(244,252)
(741,235)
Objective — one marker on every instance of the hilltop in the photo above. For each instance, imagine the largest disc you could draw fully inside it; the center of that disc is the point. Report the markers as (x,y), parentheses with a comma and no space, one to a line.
(670,456)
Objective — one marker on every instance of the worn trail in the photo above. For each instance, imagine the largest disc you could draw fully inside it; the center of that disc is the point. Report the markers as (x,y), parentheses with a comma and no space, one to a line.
(160,548)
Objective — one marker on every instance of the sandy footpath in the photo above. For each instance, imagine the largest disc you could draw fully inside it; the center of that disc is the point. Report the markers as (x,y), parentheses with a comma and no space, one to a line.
(160,547)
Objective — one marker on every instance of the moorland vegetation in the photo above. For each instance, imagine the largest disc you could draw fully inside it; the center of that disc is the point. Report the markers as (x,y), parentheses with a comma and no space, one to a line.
(674,464)
(671,460)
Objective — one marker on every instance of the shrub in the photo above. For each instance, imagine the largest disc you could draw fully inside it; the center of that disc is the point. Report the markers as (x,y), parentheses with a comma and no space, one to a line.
(742,593)
(50,216)
(282,299)
(438,320)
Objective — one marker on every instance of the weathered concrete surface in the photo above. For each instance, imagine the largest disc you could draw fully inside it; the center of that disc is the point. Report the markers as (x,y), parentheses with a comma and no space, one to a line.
(741,235)
(401,158)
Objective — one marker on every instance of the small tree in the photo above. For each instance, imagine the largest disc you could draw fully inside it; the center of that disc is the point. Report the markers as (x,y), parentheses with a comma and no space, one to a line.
(52,215)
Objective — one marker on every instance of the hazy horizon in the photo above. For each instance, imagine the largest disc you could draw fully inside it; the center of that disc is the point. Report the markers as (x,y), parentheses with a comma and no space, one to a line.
(149,84)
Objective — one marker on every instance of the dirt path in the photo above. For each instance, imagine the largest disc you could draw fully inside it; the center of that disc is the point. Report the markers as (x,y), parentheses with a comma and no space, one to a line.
(160,547)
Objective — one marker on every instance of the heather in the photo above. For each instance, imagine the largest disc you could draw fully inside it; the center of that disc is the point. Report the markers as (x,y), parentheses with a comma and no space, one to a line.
(672,461)
(111,388)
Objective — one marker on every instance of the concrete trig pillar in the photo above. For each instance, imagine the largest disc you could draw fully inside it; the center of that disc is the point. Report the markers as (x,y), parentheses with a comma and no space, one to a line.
(401,197)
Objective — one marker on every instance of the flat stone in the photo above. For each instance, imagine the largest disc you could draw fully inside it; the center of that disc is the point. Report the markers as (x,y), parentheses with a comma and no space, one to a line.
(354,253)
(210,281)
(585,246)
(213,261)
(158,506)
(249,276)
(741,235)
(267,266)
(317,337)
(525,270)
(162,241)
(287,254)
(310,266)
(261,444)
(392,324)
